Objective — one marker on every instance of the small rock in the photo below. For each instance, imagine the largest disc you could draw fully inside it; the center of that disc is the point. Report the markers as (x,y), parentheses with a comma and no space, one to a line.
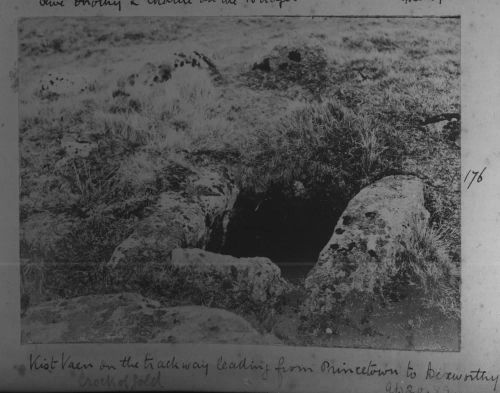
(264,65)
(294,55)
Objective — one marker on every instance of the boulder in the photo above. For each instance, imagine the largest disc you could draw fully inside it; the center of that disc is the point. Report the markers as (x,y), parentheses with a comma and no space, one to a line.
(148,75)
(360,258)
(194,216)
(151,74)
(167,84)
(131,318)
(259,276)
(285,66)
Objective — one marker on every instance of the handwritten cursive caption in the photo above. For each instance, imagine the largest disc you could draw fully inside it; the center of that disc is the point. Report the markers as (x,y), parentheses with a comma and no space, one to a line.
(149,371)
(120,4)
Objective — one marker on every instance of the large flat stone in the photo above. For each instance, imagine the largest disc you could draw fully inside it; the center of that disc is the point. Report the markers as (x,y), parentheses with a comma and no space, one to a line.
(131,318)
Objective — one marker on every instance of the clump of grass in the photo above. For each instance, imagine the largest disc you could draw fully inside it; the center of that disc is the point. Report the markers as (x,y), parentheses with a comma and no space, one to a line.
(424,263)
(327,147)
(131,127)
(372,148)
(357,43)
(172,114)
(383,43)
(189,90)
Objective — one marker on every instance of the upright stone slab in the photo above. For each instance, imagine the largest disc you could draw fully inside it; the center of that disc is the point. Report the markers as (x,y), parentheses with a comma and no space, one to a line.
(360,256)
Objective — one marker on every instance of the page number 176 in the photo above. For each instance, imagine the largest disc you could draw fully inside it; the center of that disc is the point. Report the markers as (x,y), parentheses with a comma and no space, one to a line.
(474,176)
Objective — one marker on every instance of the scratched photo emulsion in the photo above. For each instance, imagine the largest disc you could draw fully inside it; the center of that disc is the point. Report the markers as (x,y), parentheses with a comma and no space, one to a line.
(240,180)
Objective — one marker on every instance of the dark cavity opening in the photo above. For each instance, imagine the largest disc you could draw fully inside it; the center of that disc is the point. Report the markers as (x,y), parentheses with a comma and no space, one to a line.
(289,230)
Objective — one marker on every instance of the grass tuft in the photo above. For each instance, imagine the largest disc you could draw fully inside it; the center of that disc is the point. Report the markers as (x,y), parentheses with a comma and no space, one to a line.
(325,146)
(424,263)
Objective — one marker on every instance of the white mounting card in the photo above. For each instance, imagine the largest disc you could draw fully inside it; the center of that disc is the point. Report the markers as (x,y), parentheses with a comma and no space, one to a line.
(240,195)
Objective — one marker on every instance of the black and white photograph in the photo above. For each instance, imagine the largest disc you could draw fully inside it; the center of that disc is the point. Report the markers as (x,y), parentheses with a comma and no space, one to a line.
(278,181)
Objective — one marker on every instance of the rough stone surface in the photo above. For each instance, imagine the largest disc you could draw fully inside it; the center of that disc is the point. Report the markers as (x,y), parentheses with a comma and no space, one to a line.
(360,256)
(155,73)
(148,75)
(285,66)
(191,217)
(261,276)
(131,318)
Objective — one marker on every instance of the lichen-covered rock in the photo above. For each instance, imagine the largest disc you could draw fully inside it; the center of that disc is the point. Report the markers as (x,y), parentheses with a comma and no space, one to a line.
(190,217)
(178,80)
(360,256)
(286,66)
(57,83)
(152,74)
(259,276)
(131,318)
(148,75)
